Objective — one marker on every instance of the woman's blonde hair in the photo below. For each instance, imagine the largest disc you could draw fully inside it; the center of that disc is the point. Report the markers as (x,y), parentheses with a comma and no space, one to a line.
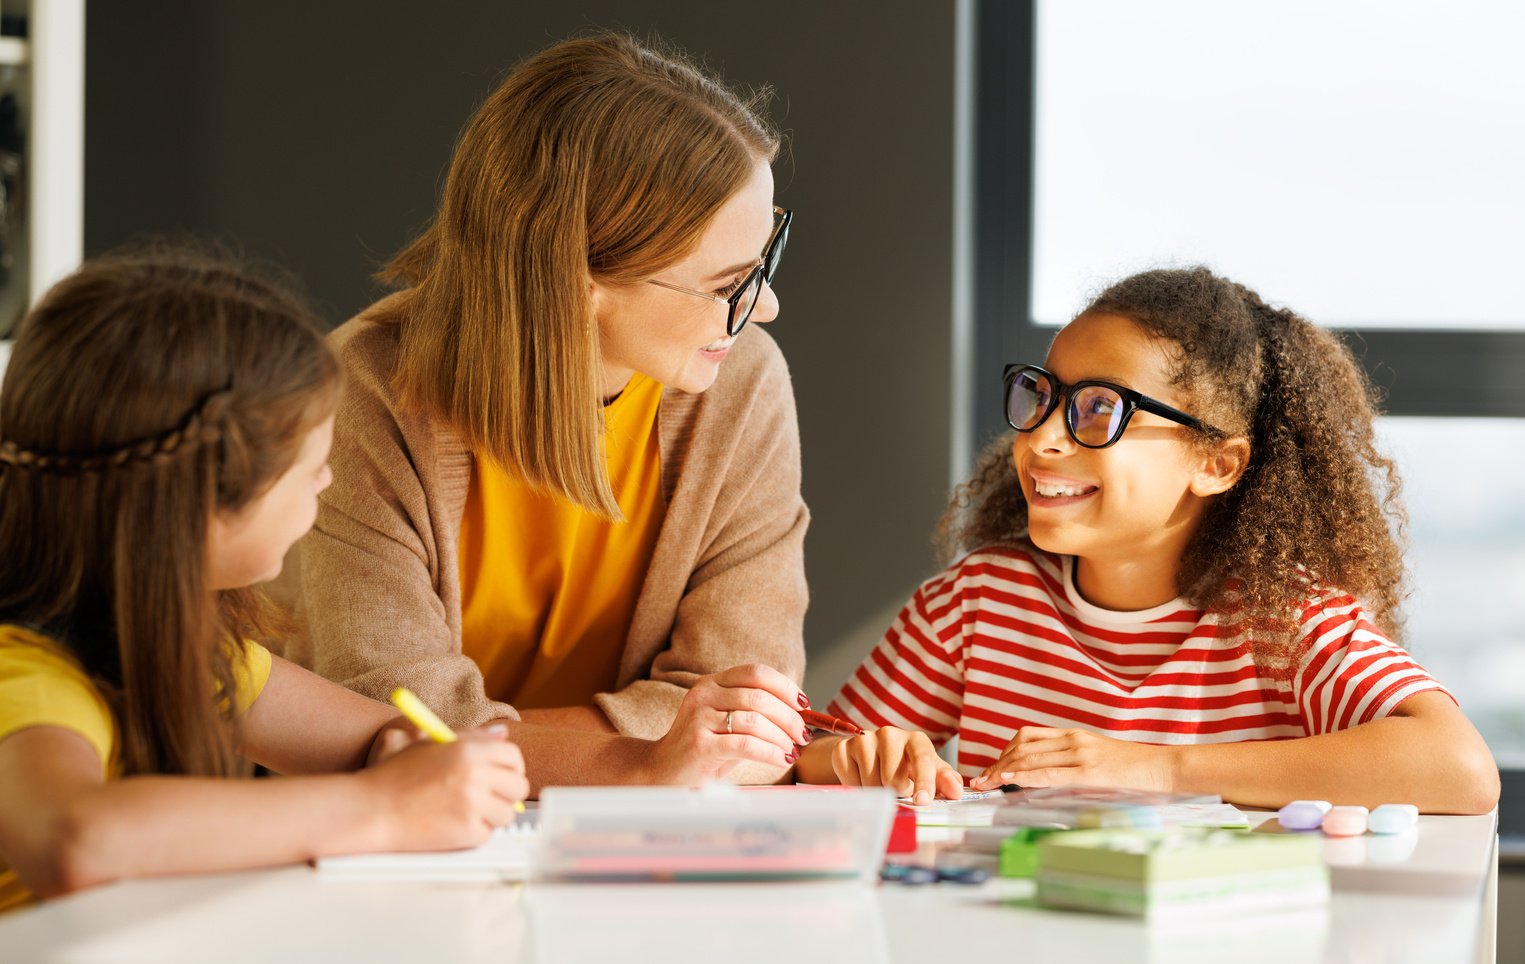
(599,158)
(147,391)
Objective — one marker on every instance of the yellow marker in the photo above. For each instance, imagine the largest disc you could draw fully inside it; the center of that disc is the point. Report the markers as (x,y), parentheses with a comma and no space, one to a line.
(422,717)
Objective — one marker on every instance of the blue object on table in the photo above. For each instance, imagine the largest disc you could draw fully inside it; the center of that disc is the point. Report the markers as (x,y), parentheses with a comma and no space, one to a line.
(963,875)
(908,874)
(1393,818)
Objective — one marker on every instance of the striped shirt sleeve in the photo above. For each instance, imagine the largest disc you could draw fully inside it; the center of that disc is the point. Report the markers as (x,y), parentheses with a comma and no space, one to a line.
(914,677)
(1350,672)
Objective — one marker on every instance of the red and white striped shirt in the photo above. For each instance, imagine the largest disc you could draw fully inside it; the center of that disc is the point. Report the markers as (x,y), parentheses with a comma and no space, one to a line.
(1001,640)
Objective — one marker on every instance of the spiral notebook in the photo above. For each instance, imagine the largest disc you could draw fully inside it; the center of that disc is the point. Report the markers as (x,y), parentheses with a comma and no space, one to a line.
(504,857)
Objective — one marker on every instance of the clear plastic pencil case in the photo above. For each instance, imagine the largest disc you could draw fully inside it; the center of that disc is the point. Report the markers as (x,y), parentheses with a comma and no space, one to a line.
(716,832)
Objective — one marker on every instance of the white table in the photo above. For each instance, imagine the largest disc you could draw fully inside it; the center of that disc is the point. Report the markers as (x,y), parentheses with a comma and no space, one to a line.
(1432,905)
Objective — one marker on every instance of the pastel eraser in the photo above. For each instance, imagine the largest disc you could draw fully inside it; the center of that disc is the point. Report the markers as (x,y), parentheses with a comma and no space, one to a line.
(1345,821)
(1303,814)
(1393,818)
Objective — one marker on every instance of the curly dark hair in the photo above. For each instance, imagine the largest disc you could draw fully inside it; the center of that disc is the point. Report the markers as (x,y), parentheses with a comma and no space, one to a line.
(1318,505)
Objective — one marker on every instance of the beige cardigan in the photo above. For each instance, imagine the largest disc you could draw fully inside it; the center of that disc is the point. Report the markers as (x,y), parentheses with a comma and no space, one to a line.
(380,592)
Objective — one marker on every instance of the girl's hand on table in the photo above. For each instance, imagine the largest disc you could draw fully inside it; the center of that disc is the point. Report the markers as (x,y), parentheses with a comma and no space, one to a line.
(1043,756)
(903,760)
(441,796)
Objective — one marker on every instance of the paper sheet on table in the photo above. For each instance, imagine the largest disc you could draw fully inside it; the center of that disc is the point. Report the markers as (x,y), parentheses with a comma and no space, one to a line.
(976,808)
(505,856)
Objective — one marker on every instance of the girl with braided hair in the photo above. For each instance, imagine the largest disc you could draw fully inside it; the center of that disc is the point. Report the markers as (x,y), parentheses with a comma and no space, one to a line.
(164,433)
(1183,575)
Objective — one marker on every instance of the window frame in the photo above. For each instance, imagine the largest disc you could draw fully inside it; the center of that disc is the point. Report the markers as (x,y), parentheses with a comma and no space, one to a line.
(1421,371)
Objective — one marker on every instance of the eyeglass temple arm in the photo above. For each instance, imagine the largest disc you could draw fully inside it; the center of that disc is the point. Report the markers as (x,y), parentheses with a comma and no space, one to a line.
(1153,407)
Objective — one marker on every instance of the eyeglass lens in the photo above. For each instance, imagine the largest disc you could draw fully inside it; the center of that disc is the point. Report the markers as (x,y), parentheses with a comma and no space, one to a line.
(1094,414)
(747,300)
(775,252)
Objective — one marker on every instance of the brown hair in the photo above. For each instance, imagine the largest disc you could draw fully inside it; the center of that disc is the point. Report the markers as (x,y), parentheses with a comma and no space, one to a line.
(597,158)
(146,391)
(1316,508)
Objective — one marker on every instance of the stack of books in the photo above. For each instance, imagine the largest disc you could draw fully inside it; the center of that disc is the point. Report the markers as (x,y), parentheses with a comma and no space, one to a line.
(1165,875)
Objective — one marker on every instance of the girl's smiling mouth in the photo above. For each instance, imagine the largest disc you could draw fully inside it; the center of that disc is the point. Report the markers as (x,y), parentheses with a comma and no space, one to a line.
(1052,489)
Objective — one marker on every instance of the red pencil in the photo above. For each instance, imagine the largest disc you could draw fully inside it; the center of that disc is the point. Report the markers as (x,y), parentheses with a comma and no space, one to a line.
(820,721)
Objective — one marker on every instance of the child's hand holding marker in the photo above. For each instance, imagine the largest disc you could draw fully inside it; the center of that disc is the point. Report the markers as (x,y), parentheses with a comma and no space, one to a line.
(452,794)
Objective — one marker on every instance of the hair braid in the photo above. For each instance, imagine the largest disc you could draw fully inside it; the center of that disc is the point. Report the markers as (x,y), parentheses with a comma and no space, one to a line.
(205,425)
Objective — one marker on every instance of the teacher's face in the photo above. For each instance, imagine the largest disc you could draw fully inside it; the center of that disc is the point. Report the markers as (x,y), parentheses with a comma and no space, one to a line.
(673,337)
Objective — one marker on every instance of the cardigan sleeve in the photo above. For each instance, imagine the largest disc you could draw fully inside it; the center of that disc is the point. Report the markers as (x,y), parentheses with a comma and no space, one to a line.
(743,594)
(370,574)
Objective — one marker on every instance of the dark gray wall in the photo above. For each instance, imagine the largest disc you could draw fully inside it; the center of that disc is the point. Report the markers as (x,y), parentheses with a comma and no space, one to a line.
(316,134)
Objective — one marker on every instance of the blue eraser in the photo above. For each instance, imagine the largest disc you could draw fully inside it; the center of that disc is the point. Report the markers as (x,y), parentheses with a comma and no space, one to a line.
(963,875)
(1121,816)
(1303,814)
(919,875)
(908,874)
(1393,818)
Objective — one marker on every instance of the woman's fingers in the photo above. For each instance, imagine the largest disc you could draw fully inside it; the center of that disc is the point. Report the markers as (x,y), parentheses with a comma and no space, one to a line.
(740,747)
(758,676)
(752,727)
(754,710)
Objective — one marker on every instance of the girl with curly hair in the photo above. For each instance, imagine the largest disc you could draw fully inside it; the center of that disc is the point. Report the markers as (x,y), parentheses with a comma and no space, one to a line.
(1183,575)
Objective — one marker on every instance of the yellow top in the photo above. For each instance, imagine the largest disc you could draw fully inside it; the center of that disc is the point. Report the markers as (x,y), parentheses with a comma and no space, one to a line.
(547,588)
(42,684)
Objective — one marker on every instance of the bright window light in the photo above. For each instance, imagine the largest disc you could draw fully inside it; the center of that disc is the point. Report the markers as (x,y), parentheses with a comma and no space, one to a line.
(1358,161)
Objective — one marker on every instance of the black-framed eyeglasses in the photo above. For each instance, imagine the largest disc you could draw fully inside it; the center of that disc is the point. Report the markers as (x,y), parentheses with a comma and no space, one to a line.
(1096,414)
(744,298)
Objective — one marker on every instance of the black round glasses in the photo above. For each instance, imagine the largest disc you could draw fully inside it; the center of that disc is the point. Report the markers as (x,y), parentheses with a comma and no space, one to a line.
(1096,414)
(744,298)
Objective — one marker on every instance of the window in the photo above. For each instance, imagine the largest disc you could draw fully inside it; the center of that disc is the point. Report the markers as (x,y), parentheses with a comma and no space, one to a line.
(1358,163)
(1362,163)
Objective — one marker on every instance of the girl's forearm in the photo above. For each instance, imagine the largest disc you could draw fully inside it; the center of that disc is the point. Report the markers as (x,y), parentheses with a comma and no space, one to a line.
(150,826)
(1432,763)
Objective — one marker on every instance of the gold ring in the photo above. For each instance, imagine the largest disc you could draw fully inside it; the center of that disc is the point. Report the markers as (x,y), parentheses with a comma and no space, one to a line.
(728,715)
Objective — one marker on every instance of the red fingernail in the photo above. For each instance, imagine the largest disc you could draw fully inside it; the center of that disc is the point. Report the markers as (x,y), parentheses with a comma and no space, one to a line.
(791,756)
(805,739)
(804,702)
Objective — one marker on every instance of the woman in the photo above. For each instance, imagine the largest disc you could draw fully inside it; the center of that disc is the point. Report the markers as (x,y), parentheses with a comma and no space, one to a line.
(567,468)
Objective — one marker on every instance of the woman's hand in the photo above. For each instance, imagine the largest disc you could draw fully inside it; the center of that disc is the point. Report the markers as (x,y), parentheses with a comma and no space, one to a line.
(745,713)
(903,760)
(1044,756)
(448,795)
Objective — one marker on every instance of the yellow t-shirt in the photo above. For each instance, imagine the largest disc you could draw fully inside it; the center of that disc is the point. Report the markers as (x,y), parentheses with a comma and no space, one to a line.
(42,684)
(548,589)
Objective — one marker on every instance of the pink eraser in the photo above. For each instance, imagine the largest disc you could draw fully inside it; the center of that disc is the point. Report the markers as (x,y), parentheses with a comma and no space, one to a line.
(1345,821)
